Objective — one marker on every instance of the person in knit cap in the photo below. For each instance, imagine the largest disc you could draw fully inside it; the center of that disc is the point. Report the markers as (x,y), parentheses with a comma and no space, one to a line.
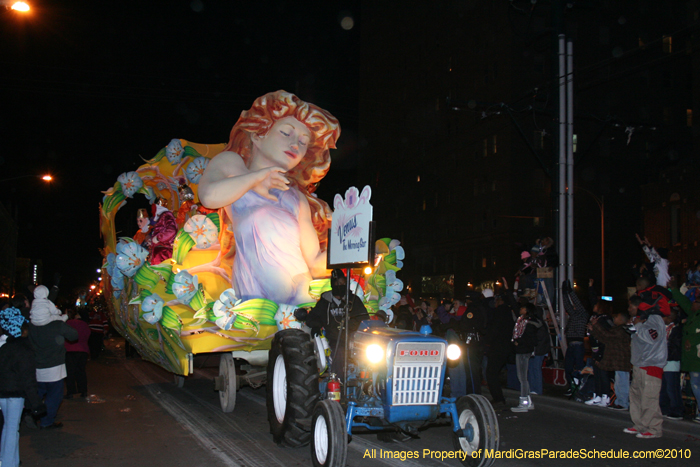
(43,310)
(17,382)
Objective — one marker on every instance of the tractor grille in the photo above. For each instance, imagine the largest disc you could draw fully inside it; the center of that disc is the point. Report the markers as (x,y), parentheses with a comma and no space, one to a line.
(416,384)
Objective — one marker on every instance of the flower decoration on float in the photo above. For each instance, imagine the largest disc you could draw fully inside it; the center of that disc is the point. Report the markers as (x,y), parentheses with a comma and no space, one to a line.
(174,151)
(130,257)
(196,169)
(155,311)
(185,287)
(152,307)
(130,183)
(116,276)
(203,231)
(224,309)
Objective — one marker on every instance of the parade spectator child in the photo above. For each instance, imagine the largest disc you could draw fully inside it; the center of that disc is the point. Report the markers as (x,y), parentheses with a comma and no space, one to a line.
(649,351)
(616,357)
(525,341)
(43,310)
(671,401)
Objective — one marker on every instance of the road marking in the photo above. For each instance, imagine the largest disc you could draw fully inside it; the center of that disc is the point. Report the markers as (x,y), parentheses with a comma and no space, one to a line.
(360,444)
(207,435)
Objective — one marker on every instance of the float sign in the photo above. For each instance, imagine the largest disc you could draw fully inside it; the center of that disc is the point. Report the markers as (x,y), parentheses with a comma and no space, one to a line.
(350,240)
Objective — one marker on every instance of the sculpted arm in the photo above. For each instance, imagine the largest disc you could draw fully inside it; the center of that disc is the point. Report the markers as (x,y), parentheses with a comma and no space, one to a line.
(227,179)
(310,249)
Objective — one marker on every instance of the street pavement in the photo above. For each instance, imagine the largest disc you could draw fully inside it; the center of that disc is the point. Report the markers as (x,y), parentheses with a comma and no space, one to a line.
(143,419)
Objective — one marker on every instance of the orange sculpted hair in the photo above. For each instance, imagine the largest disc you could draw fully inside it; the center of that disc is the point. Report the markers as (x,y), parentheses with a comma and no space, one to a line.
(324,128)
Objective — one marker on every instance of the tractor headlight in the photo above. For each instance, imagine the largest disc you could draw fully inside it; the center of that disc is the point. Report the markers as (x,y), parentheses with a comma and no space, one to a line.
(453,352)
(375,353)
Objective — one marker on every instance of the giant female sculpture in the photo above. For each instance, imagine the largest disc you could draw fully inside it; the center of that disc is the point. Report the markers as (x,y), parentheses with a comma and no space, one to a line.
(265,178)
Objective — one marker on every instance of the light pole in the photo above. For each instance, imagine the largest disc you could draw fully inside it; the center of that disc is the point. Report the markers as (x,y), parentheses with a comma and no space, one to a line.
(601,205)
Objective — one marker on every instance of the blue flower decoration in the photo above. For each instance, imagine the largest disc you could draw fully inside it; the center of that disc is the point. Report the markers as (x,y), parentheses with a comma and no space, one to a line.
(174,151)
(117,278)
(130,257)
(131,183)
(196,169)
(223,309)
(185,287)
(152,307)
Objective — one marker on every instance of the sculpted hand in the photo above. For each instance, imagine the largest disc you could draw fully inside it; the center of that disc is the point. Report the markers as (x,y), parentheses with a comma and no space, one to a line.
(271,178)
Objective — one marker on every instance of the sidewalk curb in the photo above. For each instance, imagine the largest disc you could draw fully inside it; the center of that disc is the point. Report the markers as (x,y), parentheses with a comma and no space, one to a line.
(675,427)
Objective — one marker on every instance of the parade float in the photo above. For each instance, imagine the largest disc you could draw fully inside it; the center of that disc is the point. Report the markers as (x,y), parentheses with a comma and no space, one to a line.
(222,277)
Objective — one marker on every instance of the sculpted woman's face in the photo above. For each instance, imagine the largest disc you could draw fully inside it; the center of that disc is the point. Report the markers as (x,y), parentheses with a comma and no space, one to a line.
(284,145)
(142,222)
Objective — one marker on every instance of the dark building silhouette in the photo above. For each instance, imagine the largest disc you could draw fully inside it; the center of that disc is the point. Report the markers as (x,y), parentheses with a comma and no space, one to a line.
(458,126)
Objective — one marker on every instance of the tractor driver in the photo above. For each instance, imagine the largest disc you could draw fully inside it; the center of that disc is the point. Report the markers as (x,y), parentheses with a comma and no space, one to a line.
(328,314)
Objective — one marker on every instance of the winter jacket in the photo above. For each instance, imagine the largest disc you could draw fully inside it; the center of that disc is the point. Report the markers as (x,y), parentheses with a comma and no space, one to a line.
(18,371)
(674,336)
(48,340)
(690,346)
(578,317)
(618,353)
(598,347)
(543,346)
(655,301)
(499,329)
(649,346)
(528,341)
(328,314)
(81,345)
(43,310)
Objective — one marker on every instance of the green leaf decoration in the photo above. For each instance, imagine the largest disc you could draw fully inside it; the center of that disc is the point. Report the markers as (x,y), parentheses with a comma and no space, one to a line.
(214,217)
(163,271)
(111,201)
(206,312)
(259,309)
(386,240)
(158,156)
(169,284)
(175,337)
(199,301)
(170,319)
(391,258)
(152,334)
(183,244)
(372,306)
(146,277)
(318,286)
(191,152)
(307,305)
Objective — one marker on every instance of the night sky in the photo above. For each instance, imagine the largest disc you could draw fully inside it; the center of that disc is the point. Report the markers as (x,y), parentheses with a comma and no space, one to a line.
(88,87)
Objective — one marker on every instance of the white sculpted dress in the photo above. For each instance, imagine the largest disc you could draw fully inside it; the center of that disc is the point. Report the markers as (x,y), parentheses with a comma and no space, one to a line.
(269,263)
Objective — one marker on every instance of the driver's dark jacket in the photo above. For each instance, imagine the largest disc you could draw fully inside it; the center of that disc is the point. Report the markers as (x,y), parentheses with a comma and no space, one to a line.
(328,314)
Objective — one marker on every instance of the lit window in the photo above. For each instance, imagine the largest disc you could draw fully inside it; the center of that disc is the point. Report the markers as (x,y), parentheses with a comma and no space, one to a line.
(668,41)
(689,117)
(418,179)
(485,148)
(494,140)
(575,142)
(483,262)
(423,204)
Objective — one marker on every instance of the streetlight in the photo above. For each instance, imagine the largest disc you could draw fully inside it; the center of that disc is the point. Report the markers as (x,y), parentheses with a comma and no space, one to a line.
(46,178)
(601,205)
(22,7)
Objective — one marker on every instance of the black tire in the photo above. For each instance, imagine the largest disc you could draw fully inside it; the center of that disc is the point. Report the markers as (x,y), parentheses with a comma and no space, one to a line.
(227,373)
(329,440)
(476,410)
(297,363)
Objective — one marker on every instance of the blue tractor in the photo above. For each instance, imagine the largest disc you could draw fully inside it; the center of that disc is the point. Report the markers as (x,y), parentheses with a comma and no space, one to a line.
(395,382)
